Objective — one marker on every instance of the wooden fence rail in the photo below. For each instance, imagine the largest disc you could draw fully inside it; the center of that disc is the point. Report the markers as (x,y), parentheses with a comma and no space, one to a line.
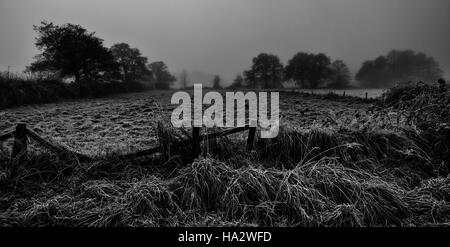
(22,133)
(56,148)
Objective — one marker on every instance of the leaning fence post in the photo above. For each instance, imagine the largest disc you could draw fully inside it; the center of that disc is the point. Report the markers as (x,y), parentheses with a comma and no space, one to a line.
(251,136)
(20,140)
(196,141)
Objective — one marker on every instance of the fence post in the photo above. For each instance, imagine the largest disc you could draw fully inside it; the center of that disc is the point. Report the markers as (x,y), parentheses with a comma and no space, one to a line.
(196,141)
(343,94)
(366,95)
(20,140)
(251,138)
(251,135)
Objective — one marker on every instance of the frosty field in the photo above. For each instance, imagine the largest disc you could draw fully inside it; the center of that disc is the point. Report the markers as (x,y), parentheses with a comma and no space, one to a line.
(128,122)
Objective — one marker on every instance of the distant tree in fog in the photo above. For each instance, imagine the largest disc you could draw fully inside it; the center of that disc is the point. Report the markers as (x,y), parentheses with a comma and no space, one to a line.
(163,79)
(238,82)
(216,82)
(70,50)
(132,65)
(250,78)
(398,66)
(340,75)
(308,70)
(266,71)
(184,79)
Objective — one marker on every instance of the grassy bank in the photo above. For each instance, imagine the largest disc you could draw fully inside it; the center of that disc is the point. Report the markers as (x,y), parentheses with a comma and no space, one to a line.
(18,90)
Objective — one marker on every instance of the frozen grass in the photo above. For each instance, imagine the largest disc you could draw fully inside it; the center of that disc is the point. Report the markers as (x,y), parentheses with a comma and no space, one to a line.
(302,178)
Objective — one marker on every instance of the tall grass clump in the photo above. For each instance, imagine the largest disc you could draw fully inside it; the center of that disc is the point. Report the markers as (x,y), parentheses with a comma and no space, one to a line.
(202,184)
(361,146)
(426,108)
(425,105)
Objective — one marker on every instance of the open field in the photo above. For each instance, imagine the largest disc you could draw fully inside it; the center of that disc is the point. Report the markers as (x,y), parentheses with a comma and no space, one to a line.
(129,121)
(337,162)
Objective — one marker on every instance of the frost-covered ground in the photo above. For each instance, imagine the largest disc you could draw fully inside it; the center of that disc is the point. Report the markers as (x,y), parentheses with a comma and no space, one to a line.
(127,122)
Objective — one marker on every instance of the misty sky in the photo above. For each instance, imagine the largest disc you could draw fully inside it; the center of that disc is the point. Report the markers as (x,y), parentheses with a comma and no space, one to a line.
(221,37)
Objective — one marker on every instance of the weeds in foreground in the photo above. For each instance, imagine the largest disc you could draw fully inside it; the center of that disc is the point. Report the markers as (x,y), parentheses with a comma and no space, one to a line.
(316,178)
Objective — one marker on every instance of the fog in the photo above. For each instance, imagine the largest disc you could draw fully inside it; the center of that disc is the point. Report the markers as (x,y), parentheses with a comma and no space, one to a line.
(221,37)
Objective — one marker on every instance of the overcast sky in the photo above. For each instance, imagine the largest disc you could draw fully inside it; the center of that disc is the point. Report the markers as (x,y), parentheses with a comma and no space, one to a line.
(222,36)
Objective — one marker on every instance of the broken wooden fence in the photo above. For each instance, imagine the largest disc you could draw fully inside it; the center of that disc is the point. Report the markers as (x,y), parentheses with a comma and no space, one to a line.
(22,133)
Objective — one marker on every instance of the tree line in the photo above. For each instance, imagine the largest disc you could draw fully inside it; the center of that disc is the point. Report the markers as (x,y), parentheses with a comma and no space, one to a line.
(308,70)
(70,51)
